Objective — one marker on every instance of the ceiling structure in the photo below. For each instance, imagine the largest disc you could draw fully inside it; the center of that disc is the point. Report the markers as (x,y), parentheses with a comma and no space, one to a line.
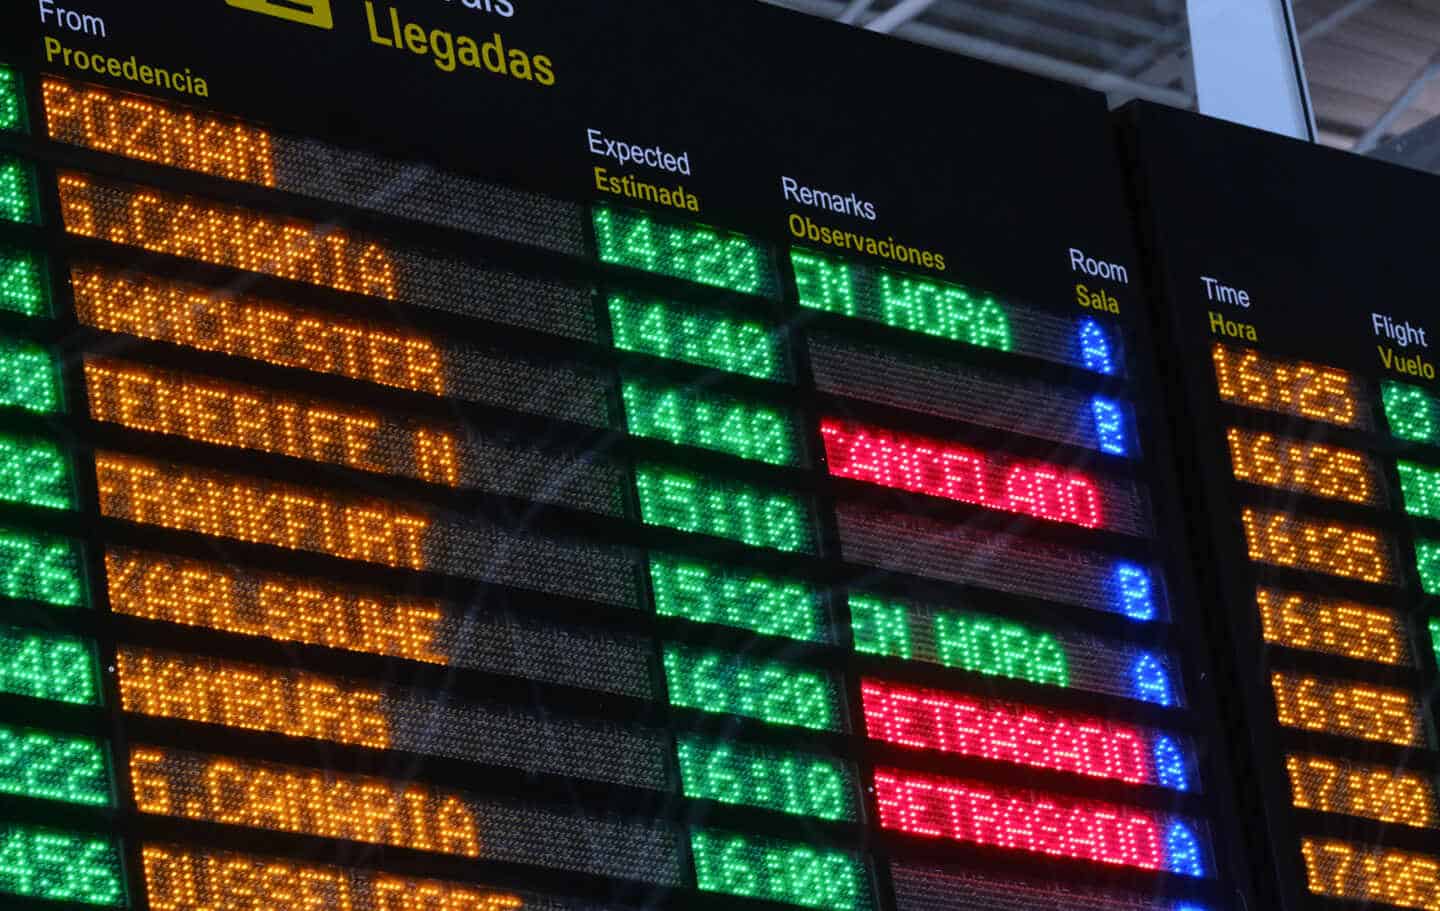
(1126,48)
(1373,75)
(1373,65)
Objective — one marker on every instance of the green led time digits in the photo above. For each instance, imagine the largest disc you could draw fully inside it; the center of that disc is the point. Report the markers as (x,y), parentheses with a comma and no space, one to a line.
(982,645)
(12,101)
(684,334)
(17,191)
(790,873)
(35,473)
(1410,412)
(692,419)
(57,866)
(1435,637)
(41,568)
(1420,487)
(915,304)
(787,782)
(1427,561)
(53,767)
(740,512)
(697,254)
(768,691)
(29,377)
(707,594)
(22,283)
(51,667)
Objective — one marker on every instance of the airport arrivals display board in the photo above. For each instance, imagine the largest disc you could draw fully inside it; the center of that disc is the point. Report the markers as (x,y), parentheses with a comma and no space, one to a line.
(464,455)
(1301,313)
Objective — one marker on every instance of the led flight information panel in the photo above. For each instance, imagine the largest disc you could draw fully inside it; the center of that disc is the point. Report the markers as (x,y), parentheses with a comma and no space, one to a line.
(1304,344)
(551,455)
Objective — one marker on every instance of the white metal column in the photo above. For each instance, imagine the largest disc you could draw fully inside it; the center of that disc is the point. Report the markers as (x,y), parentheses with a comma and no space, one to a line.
(1248,67)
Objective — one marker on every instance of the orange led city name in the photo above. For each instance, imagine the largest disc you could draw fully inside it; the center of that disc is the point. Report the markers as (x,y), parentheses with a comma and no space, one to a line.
(289,610)
(1335,786)
(226,414)
(1345,628)
(208,320)
(180,878)
(250,697)
(1303,467)
(1347,709)
(1317,545)
(260,512)
(1247,377)
(225,235)
(149,130)
(282,798)
(1342,870)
